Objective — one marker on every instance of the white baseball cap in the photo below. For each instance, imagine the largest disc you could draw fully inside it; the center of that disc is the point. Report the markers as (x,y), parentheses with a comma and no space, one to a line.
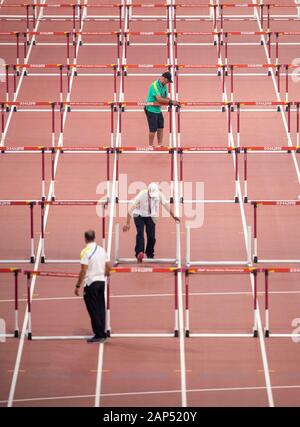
(153,190)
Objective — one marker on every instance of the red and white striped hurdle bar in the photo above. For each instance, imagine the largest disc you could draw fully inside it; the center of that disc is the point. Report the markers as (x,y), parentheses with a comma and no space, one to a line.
(60,106)
(139,270)
(267,272)
(256,203)
(30,204)
(44,204)
(15,272)
(219,271)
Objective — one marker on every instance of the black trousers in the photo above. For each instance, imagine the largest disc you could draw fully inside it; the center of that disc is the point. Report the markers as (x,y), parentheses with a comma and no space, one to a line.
(141,222)
(94,298)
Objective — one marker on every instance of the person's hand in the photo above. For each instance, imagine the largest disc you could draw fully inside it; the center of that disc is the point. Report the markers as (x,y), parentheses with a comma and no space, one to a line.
(176,103)
(176,219)
(126,228)
(77,292)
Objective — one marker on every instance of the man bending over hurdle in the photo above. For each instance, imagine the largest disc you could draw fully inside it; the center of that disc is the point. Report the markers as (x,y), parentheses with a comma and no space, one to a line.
(145,210)
(158,93)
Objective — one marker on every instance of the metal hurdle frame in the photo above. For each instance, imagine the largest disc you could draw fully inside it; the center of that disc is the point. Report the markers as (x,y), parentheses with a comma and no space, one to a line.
(16,272)
(255,205)
(214,270)
(144,270)
(267,272)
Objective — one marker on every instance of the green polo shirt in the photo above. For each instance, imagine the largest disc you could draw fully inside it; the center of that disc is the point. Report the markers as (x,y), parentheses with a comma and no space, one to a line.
(155,89)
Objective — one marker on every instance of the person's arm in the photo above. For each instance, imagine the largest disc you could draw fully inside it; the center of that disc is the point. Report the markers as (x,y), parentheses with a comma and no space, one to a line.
(168,209)
(167,101)
(129,214)
(81,277)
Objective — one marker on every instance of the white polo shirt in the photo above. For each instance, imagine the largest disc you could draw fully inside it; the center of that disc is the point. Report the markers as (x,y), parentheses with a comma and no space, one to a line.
(94,257)
(147,206)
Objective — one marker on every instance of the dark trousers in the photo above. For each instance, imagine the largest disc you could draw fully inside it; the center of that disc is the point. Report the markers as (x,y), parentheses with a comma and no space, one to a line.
(94,299)
(140,223)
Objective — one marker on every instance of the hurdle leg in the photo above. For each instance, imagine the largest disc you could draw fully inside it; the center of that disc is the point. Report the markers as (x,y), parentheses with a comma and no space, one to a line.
(32,257)
(245,176)
(188,246)
(42,233)
(53,174)
(172,177)
(181,176)
(29,325)
(255,331)
(236,197)
(249,245)
(43,174)
(108,326)
(117,243)
(16,305)
(255,258)
(267,327)
(297,124)
(176,328)
(187,309)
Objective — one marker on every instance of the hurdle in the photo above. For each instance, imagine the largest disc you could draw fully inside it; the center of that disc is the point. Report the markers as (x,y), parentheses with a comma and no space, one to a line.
(43,204)
(120,260)
(219,271)
(128,35)
(55,106)
(281,203)
(144,270)
(267,273)
(31,205)
(15,272)
(64,70)
(140,270)
(262,150)
(189,262)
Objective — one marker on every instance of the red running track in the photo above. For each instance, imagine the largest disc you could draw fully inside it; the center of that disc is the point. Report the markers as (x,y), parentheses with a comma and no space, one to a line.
(158,371)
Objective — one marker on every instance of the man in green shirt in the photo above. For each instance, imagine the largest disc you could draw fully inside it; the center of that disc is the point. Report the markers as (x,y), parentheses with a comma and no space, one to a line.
(158,93)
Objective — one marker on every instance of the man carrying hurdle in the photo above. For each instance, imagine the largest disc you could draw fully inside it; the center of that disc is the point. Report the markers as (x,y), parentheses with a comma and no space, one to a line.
(94,268)
(145,210)
(158,93)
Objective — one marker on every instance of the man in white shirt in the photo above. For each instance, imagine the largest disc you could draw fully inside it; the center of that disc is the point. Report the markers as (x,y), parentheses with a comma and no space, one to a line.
(145,211)
(94,268)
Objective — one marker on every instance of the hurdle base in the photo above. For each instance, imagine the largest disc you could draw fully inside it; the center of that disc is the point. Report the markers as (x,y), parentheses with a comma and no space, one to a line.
(267,333)
(43,260)
(255,259)
(32,259)
(108,334)
(231,263)
(278,109)
(236,199)
(176,333)
(187,333)
(29,336)
(245,199)
(171,199)
(146,261)
(16,334)
(269,73)
(255,333)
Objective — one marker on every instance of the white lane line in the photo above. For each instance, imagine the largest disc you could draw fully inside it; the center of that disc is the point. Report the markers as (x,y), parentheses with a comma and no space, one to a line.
(39,250)
(157,392)
(178,243)
(258,317)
